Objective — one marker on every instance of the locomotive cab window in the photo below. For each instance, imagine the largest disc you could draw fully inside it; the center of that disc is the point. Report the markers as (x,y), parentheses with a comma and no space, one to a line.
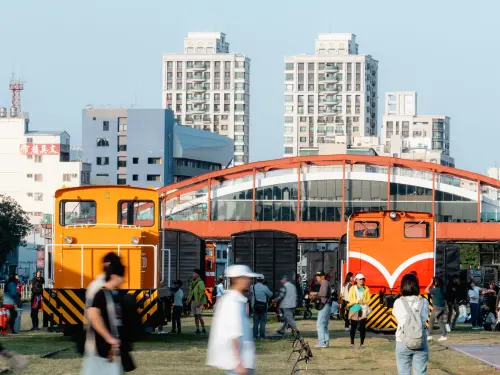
(75,212)
(134,212)
(417,229)
(366,229)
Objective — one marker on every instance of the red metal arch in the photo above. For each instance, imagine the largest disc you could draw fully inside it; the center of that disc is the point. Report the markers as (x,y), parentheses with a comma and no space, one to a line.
(337,159)
(317,230)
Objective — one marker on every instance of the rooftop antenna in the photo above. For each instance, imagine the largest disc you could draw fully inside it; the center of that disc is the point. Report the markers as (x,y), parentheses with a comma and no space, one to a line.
(16,86)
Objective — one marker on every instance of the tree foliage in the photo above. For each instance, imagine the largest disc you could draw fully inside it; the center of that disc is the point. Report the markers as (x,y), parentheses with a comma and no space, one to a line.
(469,255)
(14,226)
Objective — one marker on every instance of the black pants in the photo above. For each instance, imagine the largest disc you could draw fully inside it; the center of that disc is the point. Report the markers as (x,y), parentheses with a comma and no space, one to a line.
(34,313)
(362,330)
(176,318)
(344,313)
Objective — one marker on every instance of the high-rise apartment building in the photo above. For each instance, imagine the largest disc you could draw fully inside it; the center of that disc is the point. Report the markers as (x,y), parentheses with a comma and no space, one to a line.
(406,134)
(208,88)
(330,97)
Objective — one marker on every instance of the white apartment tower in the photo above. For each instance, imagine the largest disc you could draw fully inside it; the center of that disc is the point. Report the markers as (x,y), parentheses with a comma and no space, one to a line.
(209,88)
(405,133)
(330,97)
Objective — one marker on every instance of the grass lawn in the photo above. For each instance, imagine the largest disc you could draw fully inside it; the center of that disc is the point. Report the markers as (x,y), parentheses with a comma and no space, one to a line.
(186,354)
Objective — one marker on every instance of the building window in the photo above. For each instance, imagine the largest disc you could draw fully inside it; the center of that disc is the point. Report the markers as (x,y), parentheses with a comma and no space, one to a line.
(135,177)
(102,142)
(38,159)
(154,160)
(135,160)
(29,140)
(38,177)
(102,174)
(153,177)
(102,160)
(121,181)
(105,126)
(122,163)
(67,177)
(38,196)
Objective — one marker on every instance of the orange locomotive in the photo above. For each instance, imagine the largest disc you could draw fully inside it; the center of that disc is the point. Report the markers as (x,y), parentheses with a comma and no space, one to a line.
(88,223)
(384,246)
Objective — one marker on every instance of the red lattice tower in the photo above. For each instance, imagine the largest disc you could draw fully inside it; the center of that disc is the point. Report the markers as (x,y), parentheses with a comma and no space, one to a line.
(16,86)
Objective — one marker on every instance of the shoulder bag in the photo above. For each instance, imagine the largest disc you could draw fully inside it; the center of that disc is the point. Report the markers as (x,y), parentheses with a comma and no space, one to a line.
(366,310)
(259,307)
(93,363)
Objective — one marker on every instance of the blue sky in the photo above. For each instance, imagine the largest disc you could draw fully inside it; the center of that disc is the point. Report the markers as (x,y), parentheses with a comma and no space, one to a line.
(73,53)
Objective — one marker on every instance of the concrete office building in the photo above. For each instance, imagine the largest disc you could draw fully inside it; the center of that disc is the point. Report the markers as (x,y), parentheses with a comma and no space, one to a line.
(330,97)
(145,147)
(406,134)
(33,165)
(208,88)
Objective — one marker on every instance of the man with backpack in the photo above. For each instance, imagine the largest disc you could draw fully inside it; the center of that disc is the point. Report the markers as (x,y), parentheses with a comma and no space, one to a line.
(411,311)
(197,299)
(260,294)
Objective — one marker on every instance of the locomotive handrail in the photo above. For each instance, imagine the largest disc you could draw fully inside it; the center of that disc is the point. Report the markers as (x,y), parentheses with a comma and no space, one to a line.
(140,246)
(101,225)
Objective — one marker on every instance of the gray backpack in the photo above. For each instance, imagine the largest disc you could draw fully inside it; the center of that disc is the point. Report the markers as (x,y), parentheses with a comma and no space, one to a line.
(413,334)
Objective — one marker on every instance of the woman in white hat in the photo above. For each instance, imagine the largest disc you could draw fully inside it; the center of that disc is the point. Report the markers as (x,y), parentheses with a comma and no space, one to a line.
(359,298)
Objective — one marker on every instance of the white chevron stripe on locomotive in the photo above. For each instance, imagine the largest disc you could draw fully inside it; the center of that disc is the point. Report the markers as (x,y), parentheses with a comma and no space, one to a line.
(391,278)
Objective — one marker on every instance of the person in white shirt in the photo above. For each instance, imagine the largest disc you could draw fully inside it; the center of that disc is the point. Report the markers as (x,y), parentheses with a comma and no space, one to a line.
(219,290)
(231,346)
(407,358)
(178,306)
(475,309)
(344,312)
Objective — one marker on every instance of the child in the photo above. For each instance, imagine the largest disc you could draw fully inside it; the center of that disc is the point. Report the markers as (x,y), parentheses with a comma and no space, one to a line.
(178,306)
(489,320)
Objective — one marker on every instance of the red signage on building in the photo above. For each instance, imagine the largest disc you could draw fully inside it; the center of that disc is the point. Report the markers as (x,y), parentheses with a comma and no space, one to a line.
(40,149)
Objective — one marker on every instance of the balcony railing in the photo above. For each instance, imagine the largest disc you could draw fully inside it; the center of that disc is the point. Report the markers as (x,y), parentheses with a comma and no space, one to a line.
(329,89)
(329,100)
(330,68)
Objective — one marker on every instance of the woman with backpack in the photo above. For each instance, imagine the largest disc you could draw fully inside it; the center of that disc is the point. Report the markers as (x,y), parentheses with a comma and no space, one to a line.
(358,305)
(345,299)
(411,312)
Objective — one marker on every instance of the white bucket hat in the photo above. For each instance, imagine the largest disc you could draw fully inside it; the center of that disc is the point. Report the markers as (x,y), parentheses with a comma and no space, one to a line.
(239,270)
(359,276)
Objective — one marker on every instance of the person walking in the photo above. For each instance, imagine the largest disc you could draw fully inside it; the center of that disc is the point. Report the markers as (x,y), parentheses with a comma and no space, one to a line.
(287,300)
(344,313)
(11,300)
(475,310)
(36,299)
(163,294)
(452,302)
(414,310)
(105,350)
(97,284)
(178,305)
(219,290)
(230,346)
(260,294)
(323,305)
(436,290)
(196,299)
(359,299)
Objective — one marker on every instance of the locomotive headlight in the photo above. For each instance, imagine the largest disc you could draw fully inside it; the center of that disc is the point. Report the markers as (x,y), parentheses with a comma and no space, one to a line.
(135,241)
(68,239)
(393,215)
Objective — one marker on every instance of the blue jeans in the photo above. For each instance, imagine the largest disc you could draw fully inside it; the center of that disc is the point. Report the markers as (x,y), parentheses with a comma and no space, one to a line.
(322,325)
(475,311)
(262,320)
(405,358)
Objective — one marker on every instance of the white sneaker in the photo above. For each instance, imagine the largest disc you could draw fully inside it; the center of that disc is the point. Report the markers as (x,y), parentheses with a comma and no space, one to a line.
(448,329)
(443,338)
(347,329)
(319,346)
(429,338)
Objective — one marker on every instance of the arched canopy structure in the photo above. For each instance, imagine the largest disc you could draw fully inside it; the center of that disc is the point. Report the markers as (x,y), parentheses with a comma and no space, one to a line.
(312,196)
